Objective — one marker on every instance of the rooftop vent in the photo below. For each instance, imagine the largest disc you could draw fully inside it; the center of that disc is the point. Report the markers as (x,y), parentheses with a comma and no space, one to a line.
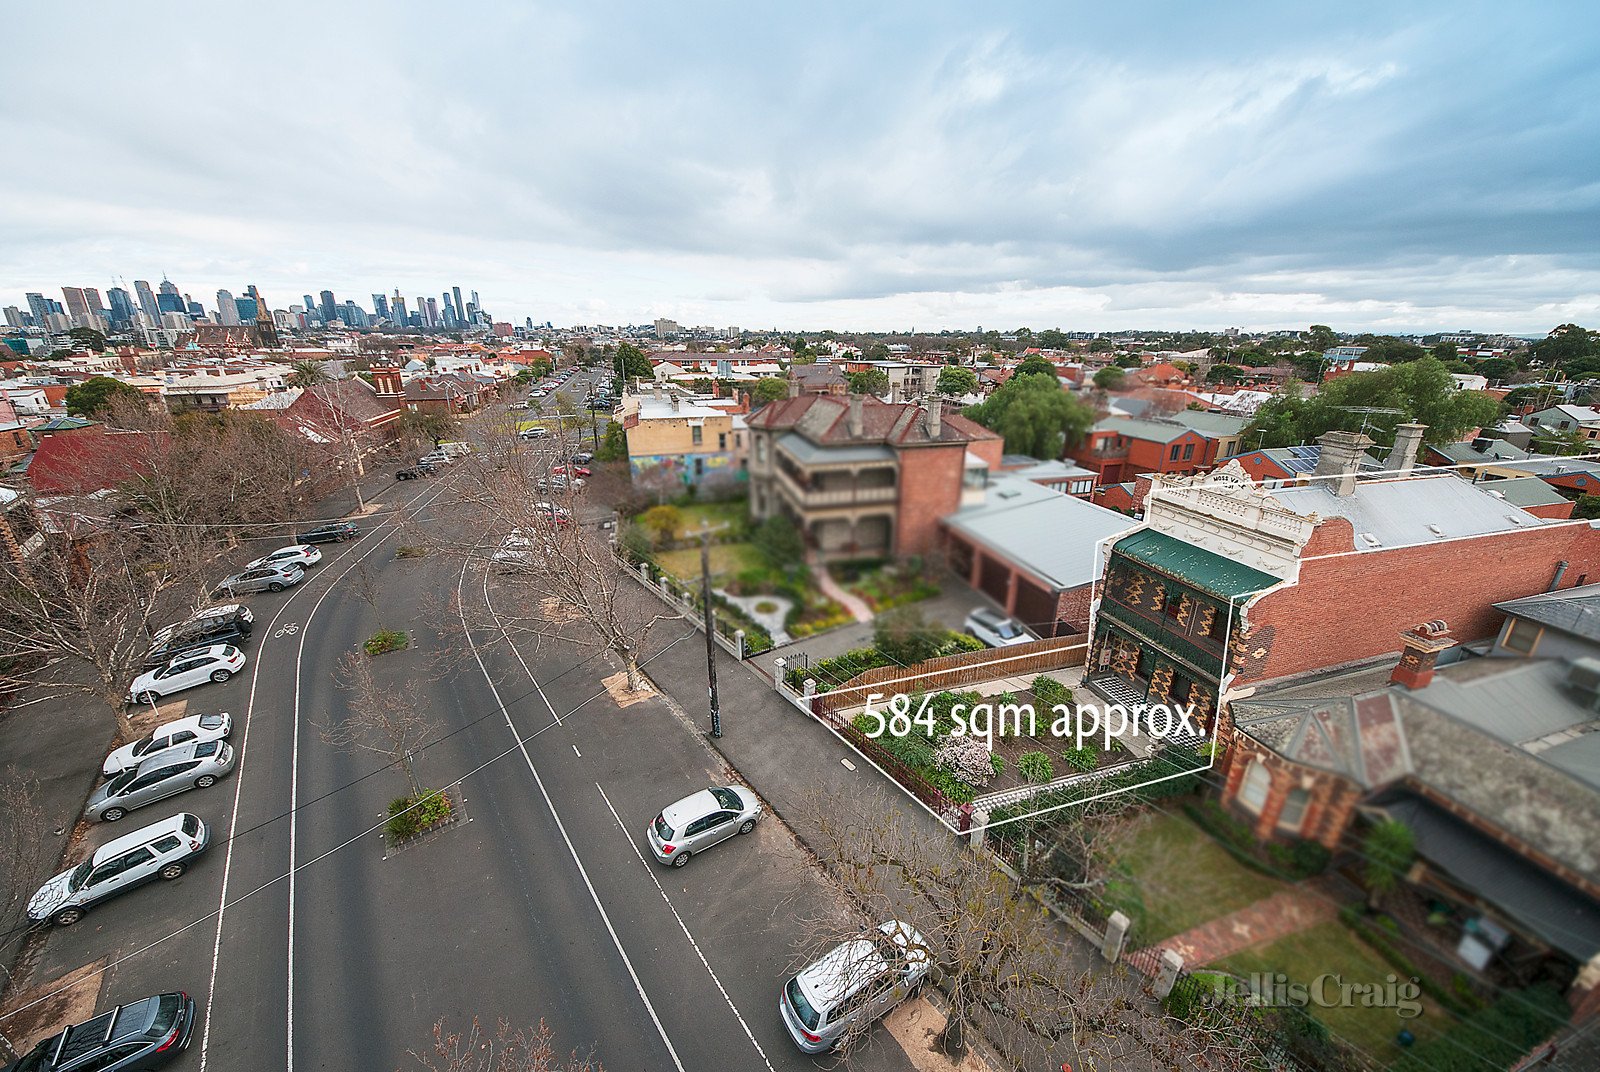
(1437,531)
(1369,539)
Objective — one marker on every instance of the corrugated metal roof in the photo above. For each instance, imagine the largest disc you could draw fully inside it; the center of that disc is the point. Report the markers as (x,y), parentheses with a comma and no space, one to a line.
(1524,491)
(808,453)
(1516,701)
(1199,567)
(1047,533)
(1571,610)
(1406,512)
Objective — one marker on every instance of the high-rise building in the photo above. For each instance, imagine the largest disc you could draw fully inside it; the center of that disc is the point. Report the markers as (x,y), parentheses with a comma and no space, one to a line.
(122,310)
(475,302)
(168,300)
(39,305)
(14,317)
(78,307)
(246,311)
(227,310)
(97,309)
(433,312)
(330,311)
(457,292)
(194,308)
(398,306)
(380,305)
(147,298)
(310,305)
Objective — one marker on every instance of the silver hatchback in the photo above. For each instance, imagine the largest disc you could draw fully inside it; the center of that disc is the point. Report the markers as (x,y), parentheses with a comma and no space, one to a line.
(700,820)
(190,766)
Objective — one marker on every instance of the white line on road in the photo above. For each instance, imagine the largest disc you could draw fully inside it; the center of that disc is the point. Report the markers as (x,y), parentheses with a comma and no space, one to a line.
(560,826)
(576,752)
(673,909)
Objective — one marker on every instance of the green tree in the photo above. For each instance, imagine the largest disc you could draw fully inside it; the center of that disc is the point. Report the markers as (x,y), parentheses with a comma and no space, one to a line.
(1497,369)
(1388,847)
(1224,374)
(96,394)
(306,374)
(1321,338)
(435,427)
(1388,350)
(1054,339)
(1564,345)
(1035,366)
(769,389)
(702,385)
(614,447)
(1445,351)
(91,338)
(878,351)
(630,363)
(662,523)
(779,542)
(957,380)
(1420,391)
(1100,346)
(1128,361)
(1034,415)
(871,381)
(1588,507)
(1110,378)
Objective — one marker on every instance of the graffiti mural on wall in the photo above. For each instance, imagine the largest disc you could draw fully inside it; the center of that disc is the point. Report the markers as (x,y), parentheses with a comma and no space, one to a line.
(686,468)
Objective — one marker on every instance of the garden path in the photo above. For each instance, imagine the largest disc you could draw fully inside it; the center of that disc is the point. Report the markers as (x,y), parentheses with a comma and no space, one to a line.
(1284,913)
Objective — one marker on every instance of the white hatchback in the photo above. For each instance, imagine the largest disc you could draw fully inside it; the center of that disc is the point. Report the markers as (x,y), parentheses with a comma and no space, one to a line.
(211,727)
(217,663)
(300,554)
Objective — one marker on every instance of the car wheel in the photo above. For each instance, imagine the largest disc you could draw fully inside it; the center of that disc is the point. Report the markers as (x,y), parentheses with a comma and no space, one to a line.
(111,815)
(148,697)
(681,859)
(220,676)
(67,916)
(172,870)
(274,587)
(747,826)
(205,781)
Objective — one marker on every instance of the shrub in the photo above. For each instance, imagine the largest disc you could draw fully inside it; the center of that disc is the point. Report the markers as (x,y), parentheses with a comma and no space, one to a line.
(661,524)
(904,636)
(406,821)
(410,551)
(1493,1038)
(779,542)
(1084,759)
(998,762)
(385,640)
(1036,767)
(965,757)
(1049,692)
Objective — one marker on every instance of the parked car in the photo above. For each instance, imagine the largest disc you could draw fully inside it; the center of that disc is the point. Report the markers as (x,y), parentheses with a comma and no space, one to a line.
(260,579)
(518,405)
(538,432)
(700,820)
(225,610)
(142,1034)
(338,531)
(212,727)
(189,766)
(217,663)
(301,554)
(414,472)
(853,985)
(201,631)
(572,470)
(583,457)
(435,457)
(454,448)
(160,850)
(995,629)
(560,482)
(516,550)
(600,404)
(559,514)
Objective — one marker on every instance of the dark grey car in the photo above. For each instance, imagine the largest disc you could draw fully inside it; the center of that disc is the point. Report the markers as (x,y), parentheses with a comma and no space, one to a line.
(142,1034)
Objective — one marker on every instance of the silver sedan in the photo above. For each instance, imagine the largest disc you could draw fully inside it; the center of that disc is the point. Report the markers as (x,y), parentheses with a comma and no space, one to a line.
(190,766)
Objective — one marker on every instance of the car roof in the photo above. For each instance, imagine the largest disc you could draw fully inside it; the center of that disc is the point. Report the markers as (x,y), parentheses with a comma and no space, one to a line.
(177,754)
(984,614)
(690,808)
(850,965)
(143,835)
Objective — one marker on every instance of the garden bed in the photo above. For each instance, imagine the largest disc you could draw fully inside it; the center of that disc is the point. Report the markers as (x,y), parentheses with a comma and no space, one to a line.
(884,585)
(433,809)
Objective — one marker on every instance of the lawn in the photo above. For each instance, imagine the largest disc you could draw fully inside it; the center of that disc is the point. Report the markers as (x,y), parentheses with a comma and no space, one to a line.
(733,514)
(1176,877)
(1331,948)
(727,559)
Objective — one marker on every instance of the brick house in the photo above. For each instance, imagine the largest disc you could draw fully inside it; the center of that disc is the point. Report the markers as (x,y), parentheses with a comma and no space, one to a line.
(1117,448)
(864,478)
(676,442)
(1032,550)
(1221,565)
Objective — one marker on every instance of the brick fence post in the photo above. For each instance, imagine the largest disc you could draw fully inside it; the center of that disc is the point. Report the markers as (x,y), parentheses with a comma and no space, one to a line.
(809,690)
(1167,977)
(1116,934)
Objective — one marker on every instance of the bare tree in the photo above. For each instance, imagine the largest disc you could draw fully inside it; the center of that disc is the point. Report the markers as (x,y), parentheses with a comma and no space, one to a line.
(998,956)
(508,1049)
(518,510)
(26,852)
(383,719)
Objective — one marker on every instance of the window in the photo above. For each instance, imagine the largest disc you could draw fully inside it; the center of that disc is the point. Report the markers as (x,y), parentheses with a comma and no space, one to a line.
(1294,810)
(167,844)
(1521,636)
(1253,791)
(722,440)
(696,434)
(1175,448)
(1188,451)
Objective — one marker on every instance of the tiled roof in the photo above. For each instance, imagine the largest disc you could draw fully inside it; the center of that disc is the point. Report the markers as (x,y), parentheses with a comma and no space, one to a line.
(823,419)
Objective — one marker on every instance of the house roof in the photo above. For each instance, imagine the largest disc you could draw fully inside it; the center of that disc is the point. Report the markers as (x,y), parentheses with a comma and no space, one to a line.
(1140,428)
(1570,610)
(85,461)
(1409,511)
(1051,535)
(823,419)
(1497,449)
(1195,565)
(1524,491)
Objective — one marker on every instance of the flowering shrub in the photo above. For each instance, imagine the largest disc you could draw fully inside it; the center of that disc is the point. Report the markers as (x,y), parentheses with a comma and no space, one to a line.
(965,757)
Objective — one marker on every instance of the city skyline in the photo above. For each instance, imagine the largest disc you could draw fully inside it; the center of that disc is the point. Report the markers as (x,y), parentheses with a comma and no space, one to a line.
(1364,167)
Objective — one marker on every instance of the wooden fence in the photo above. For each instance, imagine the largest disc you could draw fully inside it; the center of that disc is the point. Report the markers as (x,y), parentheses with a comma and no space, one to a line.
(953,672)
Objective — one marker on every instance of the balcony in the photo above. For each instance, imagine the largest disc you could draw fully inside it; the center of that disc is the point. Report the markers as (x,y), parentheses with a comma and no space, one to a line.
(834,498)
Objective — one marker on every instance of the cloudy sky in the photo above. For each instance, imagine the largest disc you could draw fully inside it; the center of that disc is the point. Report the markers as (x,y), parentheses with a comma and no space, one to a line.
(857,165)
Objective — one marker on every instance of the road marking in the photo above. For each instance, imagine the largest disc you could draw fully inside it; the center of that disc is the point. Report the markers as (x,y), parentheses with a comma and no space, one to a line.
(576,752)
(562,827)
(671,908)
(512,645)
(289,628)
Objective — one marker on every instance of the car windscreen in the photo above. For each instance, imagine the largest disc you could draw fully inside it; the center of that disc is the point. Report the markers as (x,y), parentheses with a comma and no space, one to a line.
(1008,628)
(207,748)
(120,782)
(191,825)
(802,1008)
(80,875)
(728,798)
(143,745)
(168,1007)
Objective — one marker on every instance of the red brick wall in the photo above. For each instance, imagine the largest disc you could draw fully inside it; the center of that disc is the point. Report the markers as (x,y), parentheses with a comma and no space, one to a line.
(1352,606)
(1073,606)
(1145,456)
(1260,467)
(989,450)
(930,488)
(1335,534)
(1113,497)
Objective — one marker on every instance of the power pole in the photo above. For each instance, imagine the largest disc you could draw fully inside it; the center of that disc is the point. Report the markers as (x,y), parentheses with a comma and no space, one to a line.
(711,644)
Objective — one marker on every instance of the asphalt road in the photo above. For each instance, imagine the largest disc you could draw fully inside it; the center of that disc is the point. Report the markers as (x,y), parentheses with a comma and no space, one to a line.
(542,903)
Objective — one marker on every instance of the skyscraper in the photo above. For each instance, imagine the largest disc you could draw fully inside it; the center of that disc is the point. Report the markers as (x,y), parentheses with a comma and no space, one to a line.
(78,310)
(13,317)
(380,305)
(97,309)
(194,308)
(168,300)
(433,312)
(147,299)
(122,311)
(330,311)
(460,315)
(247,311)
(476,303)
(311,306)
(398,304)
(40,307)
(227,311)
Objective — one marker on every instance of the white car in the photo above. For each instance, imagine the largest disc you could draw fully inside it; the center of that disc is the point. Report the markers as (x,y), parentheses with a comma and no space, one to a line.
(435,457)
(171,735)
(516,550)
(538,432)
(162,850)
(301,554)
(217,663)
(995,629)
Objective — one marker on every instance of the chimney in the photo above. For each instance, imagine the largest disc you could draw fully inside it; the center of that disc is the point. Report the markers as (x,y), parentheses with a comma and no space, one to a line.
(1341,459)
(933,417)
(1407,440)
(856,424)
(1422,647)
(674,403)
(794,387)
